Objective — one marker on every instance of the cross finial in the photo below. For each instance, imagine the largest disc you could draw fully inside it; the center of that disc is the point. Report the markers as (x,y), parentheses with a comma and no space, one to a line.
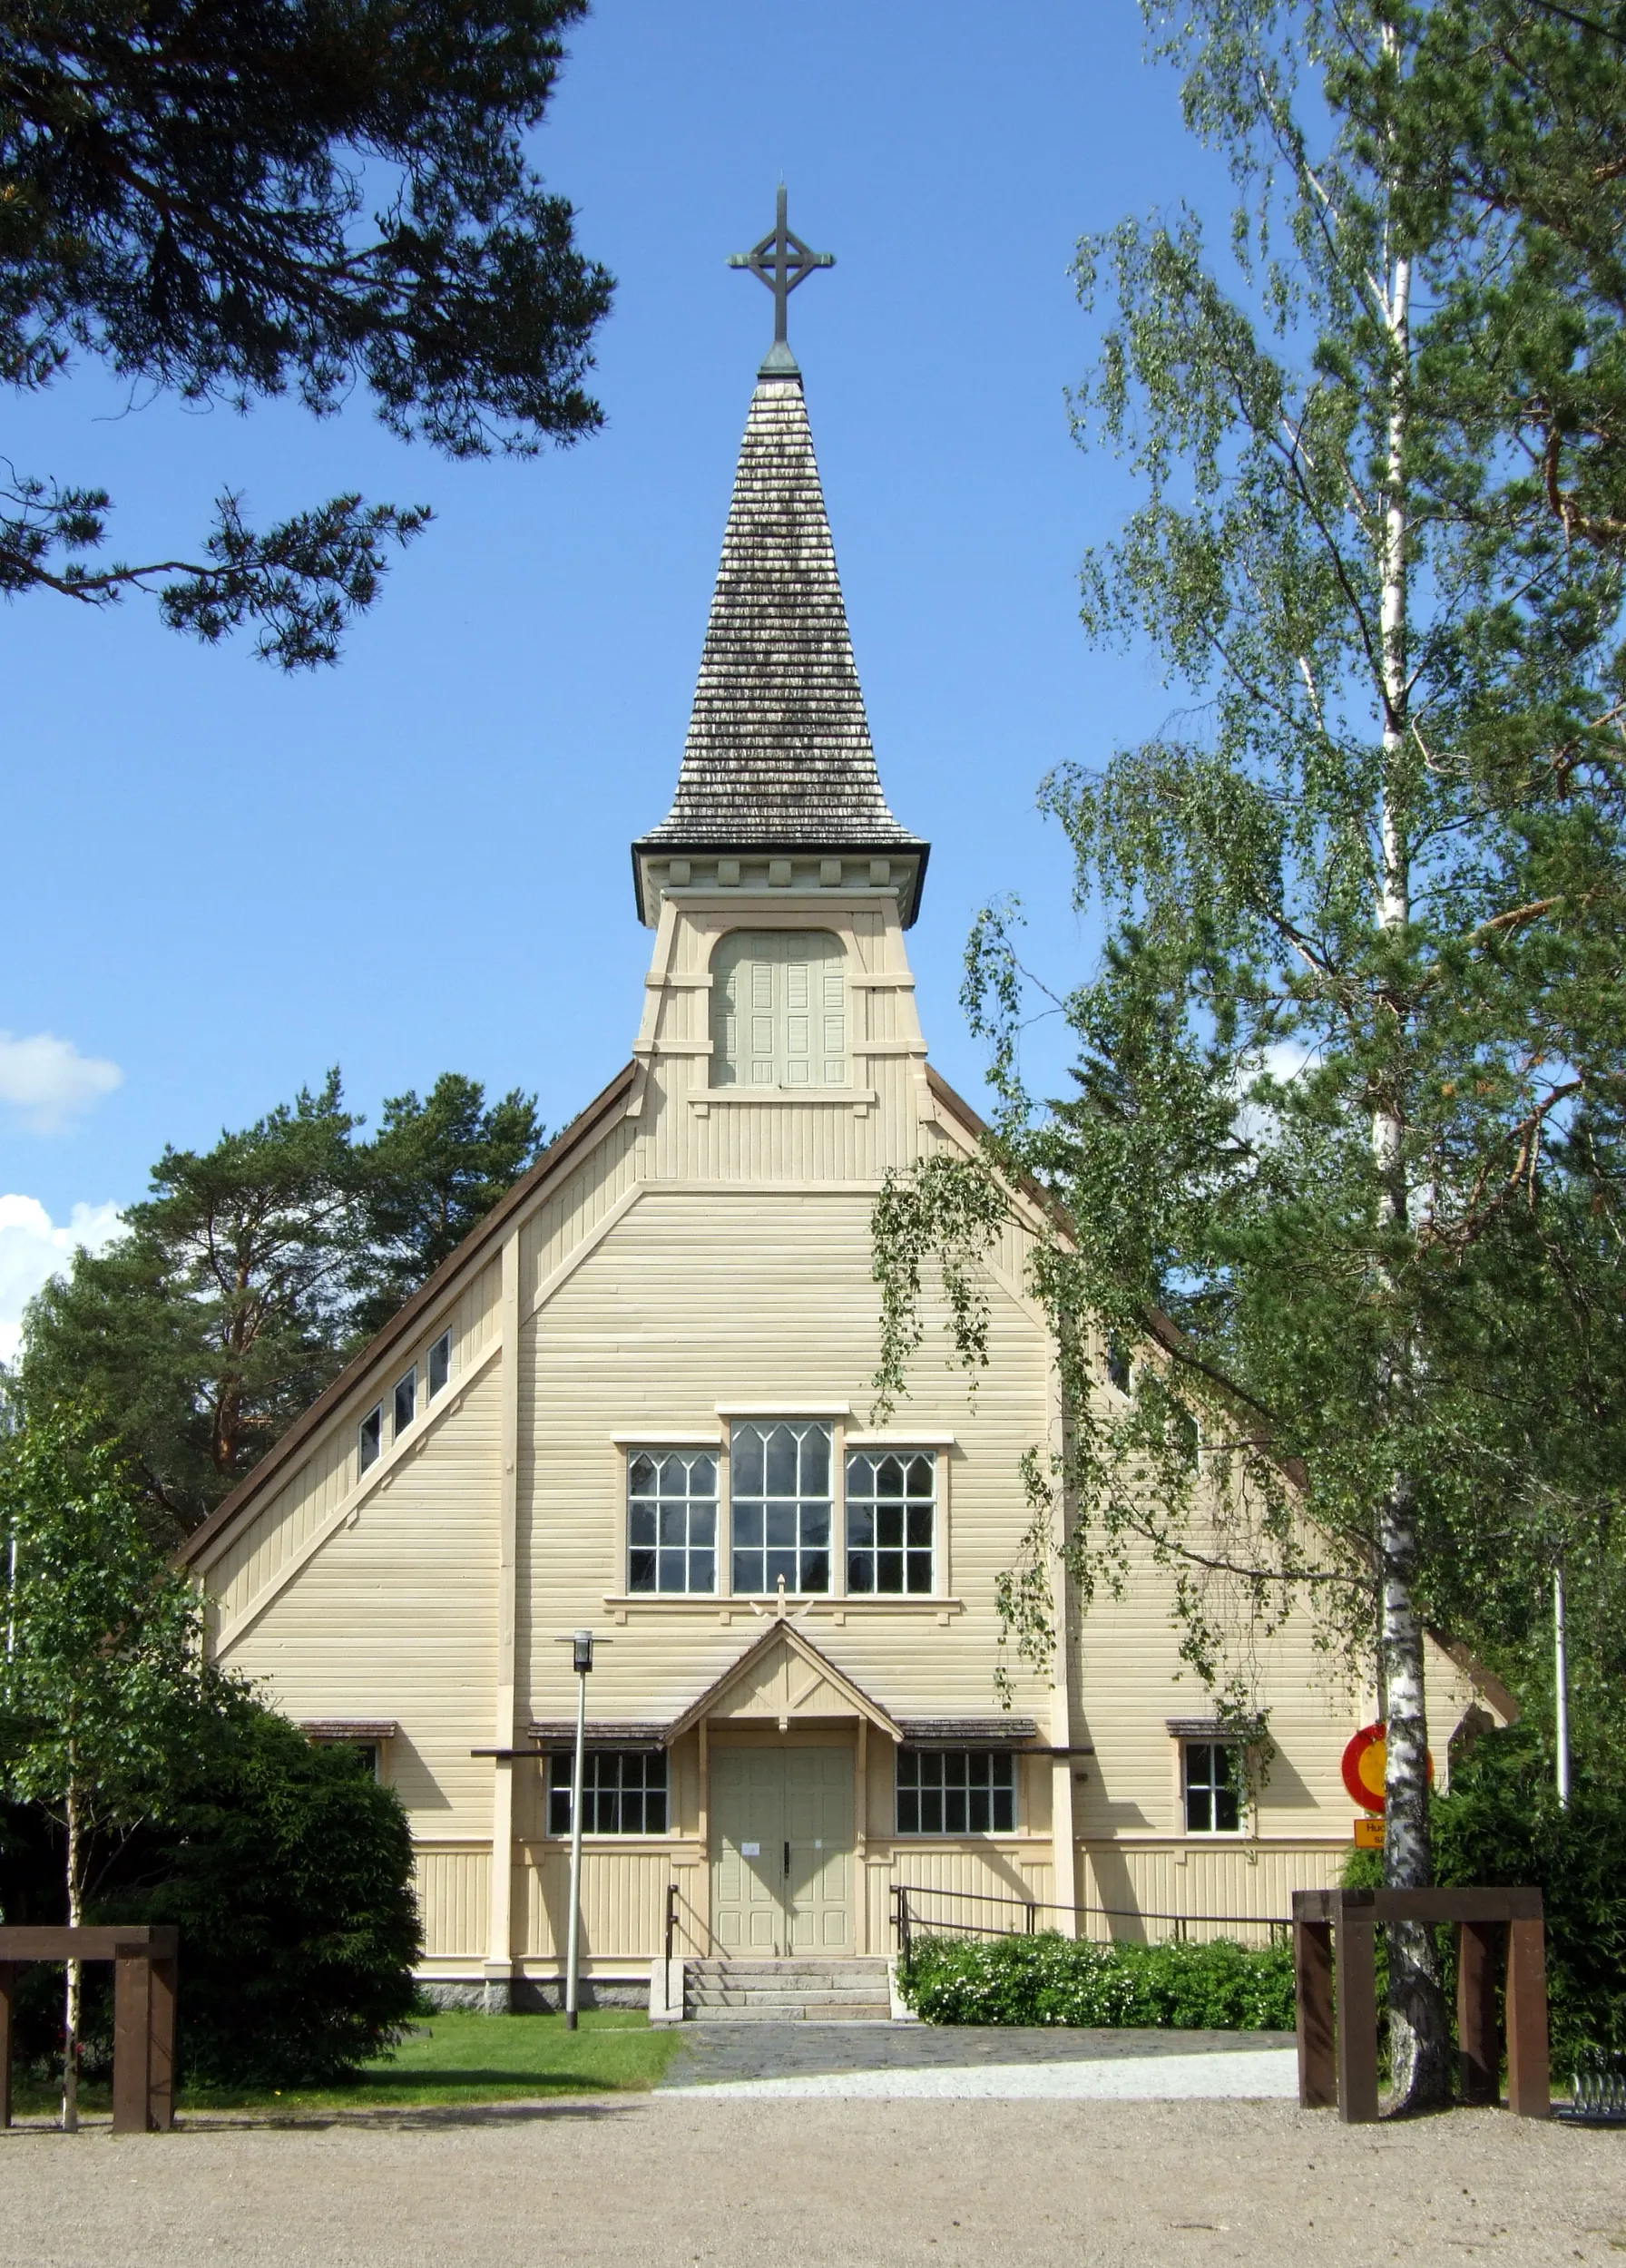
(781,261)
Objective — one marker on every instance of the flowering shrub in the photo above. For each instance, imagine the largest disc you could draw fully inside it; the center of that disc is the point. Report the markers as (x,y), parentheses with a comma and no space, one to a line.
(1052,1980)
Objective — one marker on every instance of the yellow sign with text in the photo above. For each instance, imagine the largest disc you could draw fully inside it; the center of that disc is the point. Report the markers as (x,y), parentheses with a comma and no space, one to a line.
(1369,1835)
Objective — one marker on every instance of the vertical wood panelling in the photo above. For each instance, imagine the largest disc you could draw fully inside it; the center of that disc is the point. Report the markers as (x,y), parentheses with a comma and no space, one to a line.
(1244,1884)
(624,1900)
(453,1895)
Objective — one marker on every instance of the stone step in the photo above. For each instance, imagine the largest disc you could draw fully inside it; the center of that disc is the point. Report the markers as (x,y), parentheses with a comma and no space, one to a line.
(731,1997)
(790,2015)
(795,1965)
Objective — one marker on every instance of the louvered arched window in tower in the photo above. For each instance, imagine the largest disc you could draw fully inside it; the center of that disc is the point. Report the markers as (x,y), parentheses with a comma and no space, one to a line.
(779,1009)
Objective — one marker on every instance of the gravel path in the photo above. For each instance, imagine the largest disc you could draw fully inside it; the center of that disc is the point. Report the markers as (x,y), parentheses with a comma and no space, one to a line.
(666,2181)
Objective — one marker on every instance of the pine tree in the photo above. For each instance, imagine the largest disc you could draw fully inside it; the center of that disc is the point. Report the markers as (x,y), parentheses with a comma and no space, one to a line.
(233,199)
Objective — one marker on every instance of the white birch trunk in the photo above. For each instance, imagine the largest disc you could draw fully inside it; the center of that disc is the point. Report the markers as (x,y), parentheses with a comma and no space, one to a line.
(70,2028)
(1418,2042)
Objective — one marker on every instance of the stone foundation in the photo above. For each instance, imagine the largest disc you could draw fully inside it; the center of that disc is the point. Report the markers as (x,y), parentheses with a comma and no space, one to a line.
(529,1996)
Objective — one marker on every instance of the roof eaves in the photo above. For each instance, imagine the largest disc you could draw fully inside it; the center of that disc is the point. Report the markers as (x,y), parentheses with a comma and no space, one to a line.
(565,1145)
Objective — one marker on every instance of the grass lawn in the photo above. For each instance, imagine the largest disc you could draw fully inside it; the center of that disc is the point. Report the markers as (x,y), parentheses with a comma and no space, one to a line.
(457,2057)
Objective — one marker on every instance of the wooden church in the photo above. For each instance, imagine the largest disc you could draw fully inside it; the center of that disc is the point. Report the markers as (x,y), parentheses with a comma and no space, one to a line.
(638,1399)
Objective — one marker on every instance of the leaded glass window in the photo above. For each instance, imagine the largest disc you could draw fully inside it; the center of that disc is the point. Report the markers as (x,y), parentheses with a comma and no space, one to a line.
(956,1791)
(623,1792)
(891,1520)
(672,1520)
(779,1504)
(1213,1778)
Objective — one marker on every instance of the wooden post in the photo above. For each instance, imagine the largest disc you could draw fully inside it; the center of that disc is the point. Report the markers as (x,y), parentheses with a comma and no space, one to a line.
(1479,2051)
(1354,1968)
(1529,2090)
(861,1838)
(132,2038)
(1312,1983)
(8,1986)
(161,2045)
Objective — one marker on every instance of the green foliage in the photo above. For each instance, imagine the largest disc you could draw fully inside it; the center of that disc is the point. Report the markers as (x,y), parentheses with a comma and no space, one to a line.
(1051,1980)
(1503,1823)
(100,1680)
(255,1269)
(290,1872)
(433,1172)
(185,193)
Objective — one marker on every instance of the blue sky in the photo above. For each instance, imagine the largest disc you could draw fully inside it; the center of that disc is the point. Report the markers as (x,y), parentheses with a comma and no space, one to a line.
(220,881)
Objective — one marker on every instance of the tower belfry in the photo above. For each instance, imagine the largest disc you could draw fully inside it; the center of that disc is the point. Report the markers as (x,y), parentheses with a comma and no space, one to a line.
(778,787)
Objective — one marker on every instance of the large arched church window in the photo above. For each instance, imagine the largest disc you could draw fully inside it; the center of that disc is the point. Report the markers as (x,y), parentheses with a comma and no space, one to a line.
(779,1009)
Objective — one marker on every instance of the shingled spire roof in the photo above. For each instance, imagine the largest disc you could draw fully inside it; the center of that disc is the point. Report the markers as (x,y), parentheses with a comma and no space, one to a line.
(778,753)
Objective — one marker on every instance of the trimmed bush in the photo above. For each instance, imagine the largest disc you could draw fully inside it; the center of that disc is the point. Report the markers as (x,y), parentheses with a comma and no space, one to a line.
(1051,1980)
(289,1870)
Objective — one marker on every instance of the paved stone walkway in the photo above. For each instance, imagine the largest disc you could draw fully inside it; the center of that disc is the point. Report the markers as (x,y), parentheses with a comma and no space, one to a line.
(1013,2063)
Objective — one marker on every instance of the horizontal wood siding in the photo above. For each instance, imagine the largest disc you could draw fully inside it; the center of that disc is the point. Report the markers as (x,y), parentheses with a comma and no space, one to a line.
(551,1234)
(690,1300)
(395,1617)
(454,1892)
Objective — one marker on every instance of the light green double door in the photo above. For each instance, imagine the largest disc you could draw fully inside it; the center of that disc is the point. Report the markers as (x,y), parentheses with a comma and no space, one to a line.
(782,1851)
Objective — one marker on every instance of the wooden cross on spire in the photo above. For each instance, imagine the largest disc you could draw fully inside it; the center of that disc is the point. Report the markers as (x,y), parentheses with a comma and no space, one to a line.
(781,261)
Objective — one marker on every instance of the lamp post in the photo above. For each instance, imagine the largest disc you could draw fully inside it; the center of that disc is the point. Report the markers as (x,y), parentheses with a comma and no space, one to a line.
(1560,1680)
(582,1661)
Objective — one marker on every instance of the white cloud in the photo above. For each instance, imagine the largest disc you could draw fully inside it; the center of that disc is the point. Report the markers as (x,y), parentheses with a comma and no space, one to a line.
(32,1248)
(47,1081)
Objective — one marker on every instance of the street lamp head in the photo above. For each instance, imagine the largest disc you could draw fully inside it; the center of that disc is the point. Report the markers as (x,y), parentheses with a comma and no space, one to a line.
(581,1652)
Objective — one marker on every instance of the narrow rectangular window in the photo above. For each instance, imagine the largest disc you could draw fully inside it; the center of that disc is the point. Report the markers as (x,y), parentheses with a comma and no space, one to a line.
(369,1436)
(779,1502)
(891,1520)
(405,1401)
(956,1791)
(672,1520)
(440,1364)
(1213,1784)
(623,1792)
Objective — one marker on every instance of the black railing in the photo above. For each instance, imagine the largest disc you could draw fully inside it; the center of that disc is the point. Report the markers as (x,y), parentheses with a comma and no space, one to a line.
(906,1921)
(671,1916)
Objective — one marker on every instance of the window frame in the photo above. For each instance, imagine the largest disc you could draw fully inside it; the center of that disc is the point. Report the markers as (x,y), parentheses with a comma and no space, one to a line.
(661,1450)
(737,1087)
(875,1453)
(834,1548)
(556,1794)
(407,1381)
(434,1347)
(372,1423)
(919,1791)
(1214,1743)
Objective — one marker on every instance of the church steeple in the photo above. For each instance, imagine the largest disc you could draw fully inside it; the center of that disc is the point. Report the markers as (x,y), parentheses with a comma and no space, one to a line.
(779,766)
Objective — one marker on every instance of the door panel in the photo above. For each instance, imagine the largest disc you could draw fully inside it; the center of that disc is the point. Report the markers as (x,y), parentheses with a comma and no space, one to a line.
(782,1851)
(819,1827)
(748,1850)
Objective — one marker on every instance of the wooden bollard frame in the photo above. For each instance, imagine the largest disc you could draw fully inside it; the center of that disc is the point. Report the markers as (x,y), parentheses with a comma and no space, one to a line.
(144,1964)
(1334,1949)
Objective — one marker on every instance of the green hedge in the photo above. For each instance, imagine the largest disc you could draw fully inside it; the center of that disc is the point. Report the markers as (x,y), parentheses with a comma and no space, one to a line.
(1052,1980)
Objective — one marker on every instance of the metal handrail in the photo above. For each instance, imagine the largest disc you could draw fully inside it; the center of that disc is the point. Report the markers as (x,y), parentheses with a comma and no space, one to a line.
(904,1923)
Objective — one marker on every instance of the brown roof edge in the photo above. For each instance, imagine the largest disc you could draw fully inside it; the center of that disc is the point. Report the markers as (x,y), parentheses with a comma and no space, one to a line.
(1484,1681)
(560,1151)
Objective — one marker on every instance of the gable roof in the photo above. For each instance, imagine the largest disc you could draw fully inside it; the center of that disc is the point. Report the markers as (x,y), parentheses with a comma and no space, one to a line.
(778,752)
(561,1152)
(781,1631)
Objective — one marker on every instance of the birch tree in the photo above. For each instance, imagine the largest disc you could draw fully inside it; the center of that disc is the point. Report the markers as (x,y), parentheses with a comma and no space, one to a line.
(102,1674)
(1351,1056)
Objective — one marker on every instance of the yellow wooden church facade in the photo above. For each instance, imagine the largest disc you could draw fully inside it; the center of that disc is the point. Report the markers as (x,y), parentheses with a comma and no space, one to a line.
(638,1399)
